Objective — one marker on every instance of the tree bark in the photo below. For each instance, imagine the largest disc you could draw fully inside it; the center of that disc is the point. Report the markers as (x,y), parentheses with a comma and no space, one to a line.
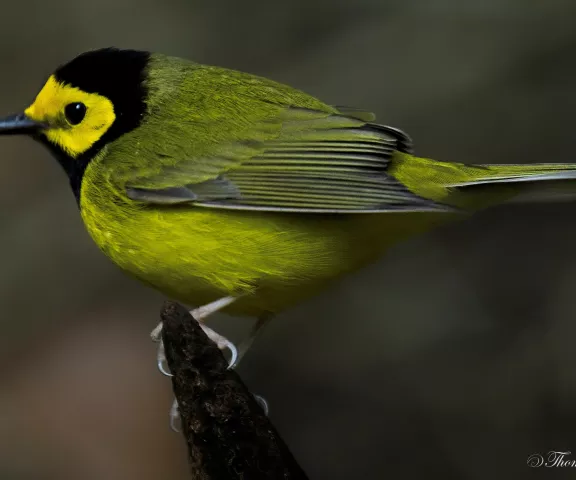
(227,432)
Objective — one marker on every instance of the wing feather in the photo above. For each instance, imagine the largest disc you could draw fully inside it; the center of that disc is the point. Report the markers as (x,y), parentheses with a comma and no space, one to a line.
(308,161)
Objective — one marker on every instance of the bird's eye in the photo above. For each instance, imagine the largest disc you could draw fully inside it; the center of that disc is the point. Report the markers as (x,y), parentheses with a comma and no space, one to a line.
(75,112)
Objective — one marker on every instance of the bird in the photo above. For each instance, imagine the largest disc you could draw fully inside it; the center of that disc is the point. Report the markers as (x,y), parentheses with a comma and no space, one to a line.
(231,192)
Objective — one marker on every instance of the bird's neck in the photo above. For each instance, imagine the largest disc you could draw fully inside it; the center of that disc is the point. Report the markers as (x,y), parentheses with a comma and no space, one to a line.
(73,167)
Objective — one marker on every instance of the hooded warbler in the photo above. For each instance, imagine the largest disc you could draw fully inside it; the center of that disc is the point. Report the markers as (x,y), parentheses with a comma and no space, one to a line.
(232,192)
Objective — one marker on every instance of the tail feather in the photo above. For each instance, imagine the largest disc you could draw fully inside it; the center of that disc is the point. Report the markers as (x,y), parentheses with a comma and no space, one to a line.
(521,183)
(472,187)
(518,173)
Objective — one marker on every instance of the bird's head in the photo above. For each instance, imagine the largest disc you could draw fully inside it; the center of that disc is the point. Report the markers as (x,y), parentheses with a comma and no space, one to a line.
(85,104)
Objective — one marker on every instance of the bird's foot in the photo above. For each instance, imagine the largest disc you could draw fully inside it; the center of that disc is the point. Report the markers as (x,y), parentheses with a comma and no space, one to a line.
(222,343)
(262,402)
(203,312)
(199,315)
(161,362)
(175,420)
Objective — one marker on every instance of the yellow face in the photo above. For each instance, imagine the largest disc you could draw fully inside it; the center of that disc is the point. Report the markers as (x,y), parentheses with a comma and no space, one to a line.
(76,119)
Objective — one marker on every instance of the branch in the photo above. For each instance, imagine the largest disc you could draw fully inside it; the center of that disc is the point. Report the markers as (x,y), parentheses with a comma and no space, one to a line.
(228,435)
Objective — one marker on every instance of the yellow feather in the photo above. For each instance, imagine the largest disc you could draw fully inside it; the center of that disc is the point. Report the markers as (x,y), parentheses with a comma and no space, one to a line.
(220,183)
(49,107)
(196,255)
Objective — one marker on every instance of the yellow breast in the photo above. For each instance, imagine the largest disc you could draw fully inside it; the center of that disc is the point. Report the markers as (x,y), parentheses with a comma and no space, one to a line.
(196,255)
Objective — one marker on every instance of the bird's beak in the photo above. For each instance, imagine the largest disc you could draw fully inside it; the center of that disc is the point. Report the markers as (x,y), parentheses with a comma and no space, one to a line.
(19,124)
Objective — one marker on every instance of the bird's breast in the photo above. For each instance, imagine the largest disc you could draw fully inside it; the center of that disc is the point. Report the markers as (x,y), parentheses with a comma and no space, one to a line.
(196,255)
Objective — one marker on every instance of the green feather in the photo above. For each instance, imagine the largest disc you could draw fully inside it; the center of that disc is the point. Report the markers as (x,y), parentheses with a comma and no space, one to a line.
(227,140)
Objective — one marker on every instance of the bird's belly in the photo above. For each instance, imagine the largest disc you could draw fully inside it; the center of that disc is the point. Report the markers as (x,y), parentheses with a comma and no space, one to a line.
(272,261)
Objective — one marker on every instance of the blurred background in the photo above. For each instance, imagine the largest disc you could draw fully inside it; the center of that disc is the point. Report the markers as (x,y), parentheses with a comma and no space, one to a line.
(453,356)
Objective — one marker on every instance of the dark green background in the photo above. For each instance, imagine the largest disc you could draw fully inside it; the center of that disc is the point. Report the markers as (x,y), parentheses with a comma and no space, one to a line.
(453,356)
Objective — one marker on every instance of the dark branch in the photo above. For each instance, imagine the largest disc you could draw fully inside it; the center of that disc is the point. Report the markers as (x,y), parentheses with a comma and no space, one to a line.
(228,435)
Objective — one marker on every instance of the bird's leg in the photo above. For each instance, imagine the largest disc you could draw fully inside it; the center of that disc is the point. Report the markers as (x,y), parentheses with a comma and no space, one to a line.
(220,340)
(203,312)
(200,314)
(156,336)
(257,329)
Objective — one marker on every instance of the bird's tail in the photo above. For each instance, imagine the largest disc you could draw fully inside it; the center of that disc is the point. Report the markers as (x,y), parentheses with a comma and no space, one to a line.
(521,183)
(478,186)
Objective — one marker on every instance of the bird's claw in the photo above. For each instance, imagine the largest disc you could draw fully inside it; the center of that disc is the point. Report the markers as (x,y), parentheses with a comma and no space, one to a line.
(156,334)
(175,419)
(262,402)
(161,360)
(223,344)
(233,355)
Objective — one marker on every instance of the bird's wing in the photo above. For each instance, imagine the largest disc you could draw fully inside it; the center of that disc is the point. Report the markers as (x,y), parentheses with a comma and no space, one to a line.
(301,160)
